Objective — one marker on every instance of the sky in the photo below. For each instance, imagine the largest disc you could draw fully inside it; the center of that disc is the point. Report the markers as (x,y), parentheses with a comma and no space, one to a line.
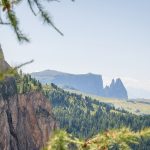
(107,37)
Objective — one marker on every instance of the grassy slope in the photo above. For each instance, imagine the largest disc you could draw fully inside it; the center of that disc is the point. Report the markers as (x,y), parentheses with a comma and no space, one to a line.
(136,106)
(84,117)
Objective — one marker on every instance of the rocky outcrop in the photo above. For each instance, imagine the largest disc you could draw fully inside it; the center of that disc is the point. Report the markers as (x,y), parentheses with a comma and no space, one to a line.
(88,83)
(4,66)
(116,90)
(26,120)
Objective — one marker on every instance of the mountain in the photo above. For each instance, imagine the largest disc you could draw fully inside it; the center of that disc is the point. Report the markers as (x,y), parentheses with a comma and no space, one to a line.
(88,83)
(83,116)
(3,64)
(116,90)
(26,118)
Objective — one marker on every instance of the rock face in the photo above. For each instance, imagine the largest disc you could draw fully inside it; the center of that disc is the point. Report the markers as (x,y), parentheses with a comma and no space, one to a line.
(26,120)
(116,90)
(3,64)
(88,83)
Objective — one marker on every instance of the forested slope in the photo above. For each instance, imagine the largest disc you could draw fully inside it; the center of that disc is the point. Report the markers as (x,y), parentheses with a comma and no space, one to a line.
(82,116)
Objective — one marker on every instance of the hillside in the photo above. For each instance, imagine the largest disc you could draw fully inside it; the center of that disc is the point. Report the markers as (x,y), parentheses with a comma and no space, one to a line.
(26,118)
(83,116)
(29,119)
(135,106)
(89,83)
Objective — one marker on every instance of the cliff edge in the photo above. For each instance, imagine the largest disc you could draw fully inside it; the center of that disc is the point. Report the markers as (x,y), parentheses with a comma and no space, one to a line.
(26,120)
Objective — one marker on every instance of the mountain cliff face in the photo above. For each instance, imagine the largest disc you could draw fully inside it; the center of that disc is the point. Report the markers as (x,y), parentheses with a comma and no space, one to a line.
(116,90)
(89,83)
(3,64)
(26,120)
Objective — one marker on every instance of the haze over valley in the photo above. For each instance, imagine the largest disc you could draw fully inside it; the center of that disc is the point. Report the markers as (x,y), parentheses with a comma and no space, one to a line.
(133,89)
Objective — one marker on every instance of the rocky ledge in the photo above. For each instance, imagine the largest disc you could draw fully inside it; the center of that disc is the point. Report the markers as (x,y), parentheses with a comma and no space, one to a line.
(26,120)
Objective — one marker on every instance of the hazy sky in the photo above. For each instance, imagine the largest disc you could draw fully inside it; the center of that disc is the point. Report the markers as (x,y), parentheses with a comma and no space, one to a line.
(108,37)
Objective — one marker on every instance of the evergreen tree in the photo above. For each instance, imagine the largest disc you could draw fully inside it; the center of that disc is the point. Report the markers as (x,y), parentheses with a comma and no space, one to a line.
(9,15)
(118,139)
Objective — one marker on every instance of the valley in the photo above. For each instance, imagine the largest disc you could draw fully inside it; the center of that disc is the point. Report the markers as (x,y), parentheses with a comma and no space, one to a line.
(41,109)
(92,85)
(135,106)
(85,86)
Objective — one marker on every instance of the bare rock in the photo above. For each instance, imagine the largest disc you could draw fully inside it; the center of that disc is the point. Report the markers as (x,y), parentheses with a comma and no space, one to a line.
(4,66)
(26,120)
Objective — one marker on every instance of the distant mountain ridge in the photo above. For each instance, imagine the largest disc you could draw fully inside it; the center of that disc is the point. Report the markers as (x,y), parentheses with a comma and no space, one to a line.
(89,83)
(116,90)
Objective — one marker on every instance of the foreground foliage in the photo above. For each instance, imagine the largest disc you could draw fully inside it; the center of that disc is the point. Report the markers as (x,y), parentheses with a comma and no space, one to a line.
(9,15)
(118,139)
(12,72)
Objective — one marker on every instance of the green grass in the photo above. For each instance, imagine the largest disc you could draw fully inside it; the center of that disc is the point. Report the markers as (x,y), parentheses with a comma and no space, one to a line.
(135,106)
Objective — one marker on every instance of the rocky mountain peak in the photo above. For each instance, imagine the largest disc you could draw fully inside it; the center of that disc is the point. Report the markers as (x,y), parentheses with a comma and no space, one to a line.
(1,53)
(26,120)
(88,83)
(4,66)
(118,81)
(116,89)
(112,83)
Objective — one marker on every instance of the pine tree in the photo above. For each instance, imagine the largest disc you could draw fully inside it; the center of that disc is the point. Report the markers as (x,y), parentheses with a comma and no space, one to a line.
(117,139)
(9,16)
